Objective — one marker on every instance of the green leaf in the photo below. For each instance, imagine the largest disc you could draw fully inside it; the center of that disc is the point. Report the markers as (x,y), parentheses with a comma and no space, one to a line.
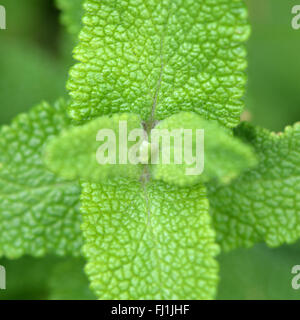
(74,154)
(225,156)
(39,212)
(72,12)
(148,241)
(156,58)
(263,204)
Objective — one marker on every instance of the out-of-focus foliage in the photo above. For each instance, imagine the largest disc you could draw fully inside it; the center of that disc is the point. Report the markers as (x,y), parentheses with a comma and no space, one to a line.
(69,282)
(72,12)
(29,74)
(47,278)
(31,20)
(27,278)
(258,273)
(31,67)
(273,97)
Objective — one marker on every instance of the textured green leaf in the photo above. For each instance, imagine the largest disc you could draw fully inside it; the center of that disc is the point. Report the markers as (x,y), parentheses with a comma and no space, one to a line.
(72,12)
(156,58)
(38,211)
(263,204)
(225,156)
(72,155)
(148,241)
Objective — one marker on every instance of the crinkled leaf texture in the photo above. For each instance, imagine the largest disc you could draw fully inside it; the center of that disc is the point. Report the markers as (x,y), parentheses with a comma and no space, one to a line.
(156,58)
(264,203)
(39,212)
(73,154)
(148,241)
(224,156)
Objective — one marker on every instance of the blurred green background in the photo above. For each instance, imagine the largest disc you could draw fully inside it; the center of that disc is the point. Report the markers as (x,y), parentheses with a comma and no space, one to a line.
(35,55)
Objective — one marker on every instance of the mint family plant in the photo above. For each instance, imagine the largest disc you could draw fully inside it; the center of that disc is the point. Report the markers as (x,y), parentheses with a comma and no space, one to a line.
(149,231)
